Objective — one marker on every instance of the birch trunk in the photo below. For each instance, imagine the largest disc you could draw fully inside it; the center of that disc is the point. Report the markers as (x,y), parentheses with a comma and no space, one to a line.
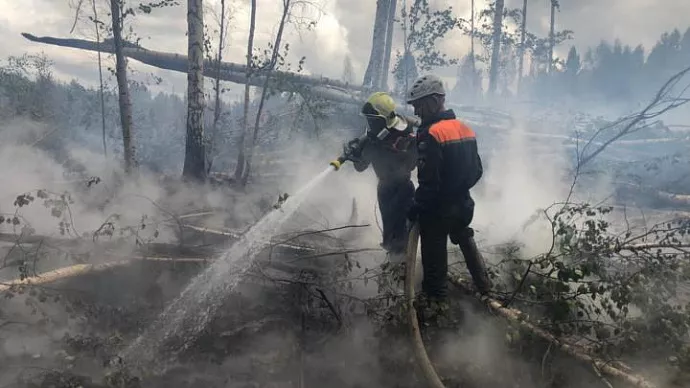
(195,155)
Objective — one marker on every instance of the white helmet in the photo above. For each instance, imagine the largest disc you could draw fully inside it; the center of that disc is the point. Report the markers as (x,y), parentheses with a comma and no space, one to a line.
(426,85)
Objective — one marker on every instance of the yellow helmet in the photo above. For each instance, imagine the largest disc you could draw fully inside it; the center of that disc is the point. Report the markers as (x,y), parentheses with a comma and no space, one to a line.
(381,104)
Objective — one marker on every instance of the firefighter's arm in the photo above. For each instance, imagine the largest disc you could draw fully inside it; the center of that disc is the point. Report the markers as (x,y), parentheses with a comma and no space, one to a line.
(428,172)
(356,151)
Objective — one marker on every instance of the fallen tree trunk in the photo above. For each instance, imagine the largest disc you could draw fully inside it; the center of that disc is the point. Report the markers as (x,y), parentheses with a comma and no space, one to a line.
(323,87)
(516,317)
(83,269)
(80,269)
(318,86)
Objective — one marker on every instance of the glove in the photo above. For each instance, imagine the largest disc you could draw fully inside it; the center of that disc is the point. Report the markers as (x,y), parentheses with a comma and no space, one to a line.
(352,150)
(413,212)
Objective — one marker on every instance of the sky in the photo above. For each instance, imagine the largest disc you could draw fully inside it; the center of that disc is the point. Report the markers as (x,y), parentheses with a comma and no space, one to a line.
(344,28)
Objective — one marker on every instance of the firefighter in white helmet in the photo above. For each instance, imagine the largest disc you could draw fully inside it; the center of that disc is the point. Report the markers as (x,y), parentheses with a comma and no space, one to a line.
(449,166)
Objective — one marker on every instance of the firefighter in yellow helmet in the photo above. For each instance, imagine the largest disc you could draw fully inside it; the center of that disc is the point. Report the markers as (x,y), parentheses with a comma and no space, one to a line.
(389,147)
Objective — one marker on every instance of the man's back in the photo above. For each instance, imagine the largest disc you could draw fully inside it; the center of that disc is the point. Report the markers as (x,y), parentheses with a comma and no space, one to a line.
(449,164)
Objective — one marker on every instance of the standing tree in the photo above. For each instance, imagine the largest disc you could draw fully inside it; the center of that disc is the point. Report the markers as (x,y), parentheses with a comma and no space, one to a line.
(468,83)
(239,169)
(97,27)
(268,67)
(502,38)
(496,45)
(195,154)
(552,33)
(390,24)
(472,29)
(348,71)
(523,34)
(572,68)
(467,87)
(123,87)
(217,105)
(372,76)
(426,28)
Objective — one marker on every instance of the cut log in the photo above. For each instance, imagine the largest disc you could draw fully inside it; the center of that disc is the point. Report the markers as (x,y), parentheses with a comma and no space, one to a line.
(517,317)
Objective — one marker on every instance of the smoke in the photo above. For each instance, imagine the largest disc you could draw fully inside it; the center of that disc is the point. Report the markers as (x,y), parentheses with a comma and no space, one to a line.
(523,175)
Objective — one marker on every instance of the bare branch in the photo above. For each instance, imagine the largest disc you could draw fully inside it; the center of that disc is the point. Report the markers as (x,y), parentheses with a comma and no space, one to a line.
(76,15)
(664,101)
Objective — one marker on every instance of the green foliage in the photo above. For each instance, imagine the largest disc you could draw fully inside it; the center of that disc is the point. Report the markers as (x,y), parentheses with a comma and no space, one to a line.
(25,82)
(146,7)
(404,71)
(616,289)
(427,28)
(58,204)
(611,70)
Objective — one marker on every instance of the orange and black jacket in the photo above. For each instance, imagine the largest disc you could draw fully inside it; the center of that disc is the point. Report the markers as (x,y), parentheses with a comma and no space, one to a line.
(448,164)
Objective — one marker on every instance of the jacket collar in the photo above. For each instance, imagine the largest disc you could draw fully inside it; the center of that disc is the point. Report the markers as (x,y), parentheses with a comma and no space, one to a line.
(447,114)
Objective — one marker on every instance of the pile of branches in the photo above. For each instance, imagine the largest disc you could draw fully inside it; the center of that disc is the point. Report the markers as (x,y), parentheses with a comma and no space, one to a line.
(618,293)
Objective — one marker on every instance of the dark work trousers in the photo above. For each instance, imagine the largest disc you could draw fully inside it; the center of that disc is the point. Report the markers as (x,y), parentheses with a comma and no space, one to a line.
(434,230)
(395,198)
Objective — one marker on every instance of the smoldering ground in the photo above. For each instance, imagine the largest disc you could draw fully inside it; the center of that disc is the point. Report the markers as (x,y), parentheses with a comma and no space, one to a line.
(261,333)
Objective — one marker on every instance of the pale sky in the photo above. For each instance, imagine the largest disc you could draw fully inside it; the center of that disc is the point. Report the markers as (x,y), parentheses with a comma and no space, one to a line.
(344,28)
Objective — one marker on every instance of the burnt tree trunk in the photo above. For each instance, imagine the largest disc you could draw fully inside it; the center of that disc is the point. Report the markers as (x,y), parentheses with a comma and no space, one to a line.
(123,89)
(390,26)
(195,155)
(496,46)
(523,34)
(239,169)
(372,76)
(264,89)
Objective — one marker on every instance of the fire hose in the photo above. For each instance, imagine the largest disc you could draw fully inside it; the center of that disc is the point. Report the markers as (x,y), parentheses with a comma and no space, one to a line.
(418,345)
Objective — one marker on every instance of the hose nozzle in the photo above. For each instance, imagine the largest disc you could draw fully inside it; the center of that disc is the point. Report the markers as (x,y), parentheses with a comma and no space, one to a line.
(337,163)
